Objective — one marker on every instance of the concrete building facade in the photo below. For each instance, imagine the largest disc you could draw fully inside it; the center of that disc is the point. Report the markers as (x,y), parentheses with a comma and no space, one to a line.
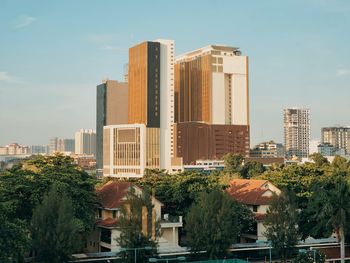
(111,109)
(212,86)
(85,142)
(202,141)
(296,132)
(339,137)
(267,150)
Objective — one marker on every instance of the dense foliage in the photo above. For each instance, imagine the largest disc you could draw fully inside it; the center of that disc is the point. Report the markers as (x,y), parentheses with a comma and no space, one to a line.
(54,228)
(23,187)
(213,223)
(135,234)
(281,223)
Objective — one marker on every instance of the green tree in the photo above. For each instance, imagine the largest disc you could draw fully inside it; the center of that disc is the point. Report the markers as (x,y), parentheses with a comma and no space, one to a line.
(179,191)
(135,234)
(54,228)
(281,223)
(329,209)
(14,238)
(25,185)
(251,169)
(213,223)
(319,159)
(233,162)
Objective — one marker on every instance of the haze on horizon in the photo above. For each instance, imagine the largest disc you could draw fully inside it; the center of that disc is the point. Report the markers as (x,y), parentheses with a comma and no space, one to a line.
(54,53)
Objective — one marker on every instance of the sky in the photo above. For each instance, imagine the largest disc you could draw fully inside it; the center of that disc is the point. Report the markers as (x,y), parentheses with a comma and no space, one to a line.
(54,53)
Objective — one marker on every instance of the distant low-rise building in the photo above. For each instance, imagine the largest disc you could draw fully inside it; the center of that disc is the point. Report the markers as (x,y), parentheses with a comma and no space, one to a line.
(113,196)
(256,194)
(14,149)
(267,150)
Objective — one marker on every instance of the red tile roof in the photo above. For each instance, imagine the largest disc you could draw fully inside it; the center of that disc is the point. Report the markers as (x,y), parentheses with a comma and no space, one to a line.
(108,223)
(249,191)
(259,216)
(112,194)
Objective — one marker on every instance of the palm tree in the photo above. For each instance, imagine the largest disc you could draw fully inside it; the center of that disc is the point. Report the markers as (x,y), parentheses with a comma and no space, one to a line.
(329,209)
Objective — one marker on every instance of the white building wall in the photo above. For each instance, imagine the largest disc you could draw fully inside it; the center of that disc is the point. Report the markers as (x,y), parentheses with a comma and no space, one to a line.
(167,48)
(237,67)
(239,100)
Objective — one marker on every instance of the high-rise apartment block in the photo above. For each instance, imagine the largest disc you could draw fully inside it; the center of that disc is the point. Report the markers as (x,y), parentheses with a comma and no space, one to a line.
(297,132)
(85,142)
(211,86)
(338,137)
(111,109)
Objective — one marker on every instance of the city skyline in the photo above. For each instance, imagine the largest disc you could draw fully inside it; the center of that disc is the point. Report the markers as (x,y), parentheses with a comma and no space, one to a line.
(52,58)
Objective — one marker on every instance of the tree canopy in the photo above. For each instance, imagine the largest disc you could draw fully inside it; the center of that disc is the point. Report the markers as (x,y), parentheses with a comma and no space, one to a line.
(54,228)
(213,223)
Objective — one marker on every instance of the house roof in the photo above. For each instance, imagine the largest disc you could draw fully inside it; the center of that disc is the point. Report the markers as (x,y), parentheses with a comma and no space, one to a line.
(250,192)
(107,223)
(112,194)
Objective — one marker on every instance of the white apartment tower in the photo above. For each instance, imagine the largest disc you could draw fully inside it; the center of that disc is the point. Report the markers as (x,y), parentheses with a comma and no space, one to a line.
(297,132)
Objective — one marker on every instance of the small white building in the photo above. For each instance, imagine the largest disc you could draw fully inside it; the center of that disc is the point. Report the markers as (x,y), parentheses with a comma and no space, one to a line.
(112,197)
(256,194)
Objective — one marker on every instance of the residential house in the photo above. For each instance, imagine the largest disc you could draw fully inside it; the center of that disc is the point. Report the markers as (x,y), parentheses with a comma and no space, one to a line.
(256,194)
(112,197)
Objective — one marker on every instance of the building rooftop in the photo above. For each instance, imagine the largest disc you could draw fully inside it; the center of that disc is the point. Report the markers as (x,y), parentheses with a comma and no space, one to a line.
(251,192)
(207,49)
(112,194)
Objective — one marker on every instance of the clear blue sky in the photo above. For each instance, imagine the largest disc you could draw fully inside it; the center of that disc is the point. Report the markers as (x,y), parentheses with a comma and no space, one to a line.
(53,53)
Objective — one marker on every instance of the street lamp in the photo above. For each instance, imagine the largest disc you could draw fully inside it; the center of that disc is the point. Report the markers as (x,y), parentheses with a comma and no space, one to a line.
(135,250)
(167,259)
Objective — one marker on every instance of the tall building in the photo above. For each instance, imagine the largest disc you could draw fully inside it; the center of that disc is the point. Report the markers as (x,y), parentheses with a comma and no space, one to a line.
(66,145)
(267,150)
(111,109)
(151,104)
(211,87)
(296,132)
(53,145)
(85,142)
(339,137)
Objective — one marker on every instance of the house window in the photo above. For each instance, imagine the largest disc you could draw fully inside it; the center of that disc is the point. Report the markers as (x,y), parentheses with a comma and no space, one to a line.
(255,208)
(99,213)
(114,214)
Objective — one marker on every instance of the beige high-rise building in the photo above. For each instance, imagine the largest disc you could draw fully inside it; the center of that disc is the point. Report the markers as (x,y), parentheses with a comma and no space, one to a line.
(296,132)
(338,137)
